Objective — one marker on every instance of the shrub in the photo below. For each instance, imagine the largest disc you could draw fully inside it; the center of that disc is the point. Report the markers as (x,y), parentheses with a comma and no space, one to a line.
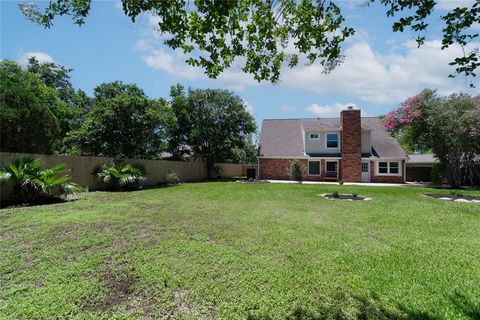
(172,177)
(296,170)
(119,175)
(335,194)
(355,194)
(437,174)
(31,183)
(340,182)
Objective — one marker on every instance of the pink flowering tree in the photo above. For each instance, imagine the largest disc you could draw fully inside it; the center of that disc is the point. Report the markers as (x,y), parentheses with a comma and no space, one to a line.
(409,124)
(447,126)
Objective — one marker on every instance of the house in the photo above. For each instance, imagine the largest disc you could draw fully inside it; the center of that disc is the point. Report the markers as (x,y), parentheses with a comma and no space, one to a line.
(350,149)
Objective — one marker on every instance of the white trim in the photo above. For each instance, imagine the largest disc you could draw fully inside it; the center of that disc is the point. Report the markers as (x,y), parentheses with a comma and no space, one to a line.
(319,168)
(315,139)
(369,168)
(387,159)
(299,157)
(331,160)
(338,140)
(377,167)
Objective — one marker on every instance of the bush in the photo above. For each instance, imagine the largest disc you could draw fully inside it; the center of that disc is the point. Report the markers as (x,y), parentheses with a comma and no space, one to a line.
(32,184)
(355,194)
(119,175)
(437,174)
(173,178)
(335,194)
(296,171)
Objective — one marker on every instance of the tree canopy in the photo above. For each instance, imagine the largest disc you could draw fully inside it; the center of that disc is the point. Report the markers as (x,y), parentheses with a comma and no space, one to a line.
(265,35)
(123,123)
(449,126)
(28,111)
(75,103)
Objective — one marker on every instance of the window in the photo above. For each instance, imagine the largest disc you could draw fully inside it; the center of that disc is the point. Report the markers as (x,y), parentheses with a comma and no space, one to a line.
(331,169)
(331,166)
(389,168)
(364,166)
(313,168)
(383,167)
(394,168)
(314,136)
(332,140)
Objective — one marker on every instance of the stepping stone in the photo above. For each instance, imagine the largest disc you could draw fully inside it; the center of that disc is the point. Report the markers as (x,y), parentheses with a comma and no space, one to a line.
(461,200)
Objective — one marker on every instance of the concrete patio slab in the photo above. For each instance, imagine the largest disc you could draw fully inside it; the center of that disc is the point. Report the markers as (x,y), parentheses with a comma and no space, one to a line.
(345,183)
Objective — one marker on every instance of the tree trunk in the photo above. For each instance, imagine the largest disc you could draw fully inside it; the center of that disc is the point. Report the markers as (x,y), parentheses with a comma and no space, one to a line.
(454,171)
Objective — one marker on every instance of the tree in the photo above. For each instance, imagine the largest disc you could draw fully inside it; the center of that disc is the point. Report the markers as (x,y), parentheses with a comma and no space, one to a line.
(268,34)
(76,103)
(449,126)
(179,130)
(123,123)
(27,121)
(246,154)
(219,125)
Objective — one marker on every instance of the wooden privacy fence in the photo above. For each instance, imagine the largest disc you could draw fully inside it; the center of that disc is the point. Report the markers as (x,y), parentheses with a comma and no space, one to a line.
(81,169)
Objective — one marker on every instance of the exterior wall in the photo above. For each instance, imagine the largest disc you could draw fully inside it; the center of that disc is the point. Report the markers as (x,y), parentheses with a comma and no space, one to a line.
(318,146)
(385,178)
(350,121)
(276,169)
(366,144)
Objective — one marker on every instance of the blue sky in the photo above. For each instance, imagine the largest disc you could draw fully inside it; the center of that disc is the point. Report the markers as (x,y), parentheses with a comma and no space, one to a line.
(381,68)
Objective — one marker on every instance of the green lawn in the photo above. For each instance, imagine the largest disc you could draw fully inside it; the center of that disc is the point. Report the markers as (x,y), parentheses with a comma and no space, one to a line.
(226,250)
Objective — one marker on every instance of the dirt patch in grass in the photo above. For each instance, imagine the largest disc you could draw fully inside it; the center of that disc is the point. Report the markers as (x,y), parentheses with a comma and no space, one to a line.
(349,197)
(119,284)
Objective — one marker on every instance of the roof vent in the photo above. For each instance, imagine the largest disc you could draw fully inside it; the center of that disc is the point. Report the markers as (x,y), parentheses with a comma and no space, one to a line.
(350,108)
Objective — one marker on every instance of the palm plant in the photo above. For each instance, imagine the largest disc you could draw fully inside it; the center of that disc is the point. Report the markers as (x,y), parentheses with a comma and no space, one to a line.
(31,183)
(119,175)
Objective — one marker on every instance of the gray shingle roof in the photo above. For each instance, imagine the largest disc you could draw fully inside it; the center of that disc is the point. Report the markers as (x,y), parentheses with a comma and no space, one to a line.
(284,137)
(422,159)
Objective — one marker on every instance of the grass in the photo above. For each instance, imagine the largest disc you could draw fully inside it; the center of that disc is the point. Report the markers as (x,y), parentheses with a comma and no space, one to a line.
(233,251)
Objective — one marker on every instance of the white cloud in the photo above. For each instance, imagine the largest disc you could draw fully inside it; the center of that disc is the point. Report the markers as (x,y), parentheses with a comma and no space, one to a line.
(382,79)
(366,75)
(452,4)
(143,45)
(286,108)
(42,57)
(332,110)
(248,107)
(172,64)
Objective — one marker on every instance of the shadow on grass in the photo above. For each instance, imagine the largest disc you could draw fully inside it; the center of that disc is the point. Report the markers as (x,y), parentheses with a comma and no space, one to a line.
(357,307)
(52,200)
(465,306)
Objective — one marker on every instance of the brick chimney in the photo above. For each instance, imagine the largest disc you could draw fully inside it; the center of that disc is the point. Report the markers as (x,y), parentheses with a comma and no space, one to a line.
(351,126)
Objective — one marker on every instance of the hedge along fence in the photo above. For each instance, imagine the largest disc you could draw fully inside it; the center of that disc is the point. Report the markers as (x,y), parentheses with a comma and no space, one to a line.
(81,169)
